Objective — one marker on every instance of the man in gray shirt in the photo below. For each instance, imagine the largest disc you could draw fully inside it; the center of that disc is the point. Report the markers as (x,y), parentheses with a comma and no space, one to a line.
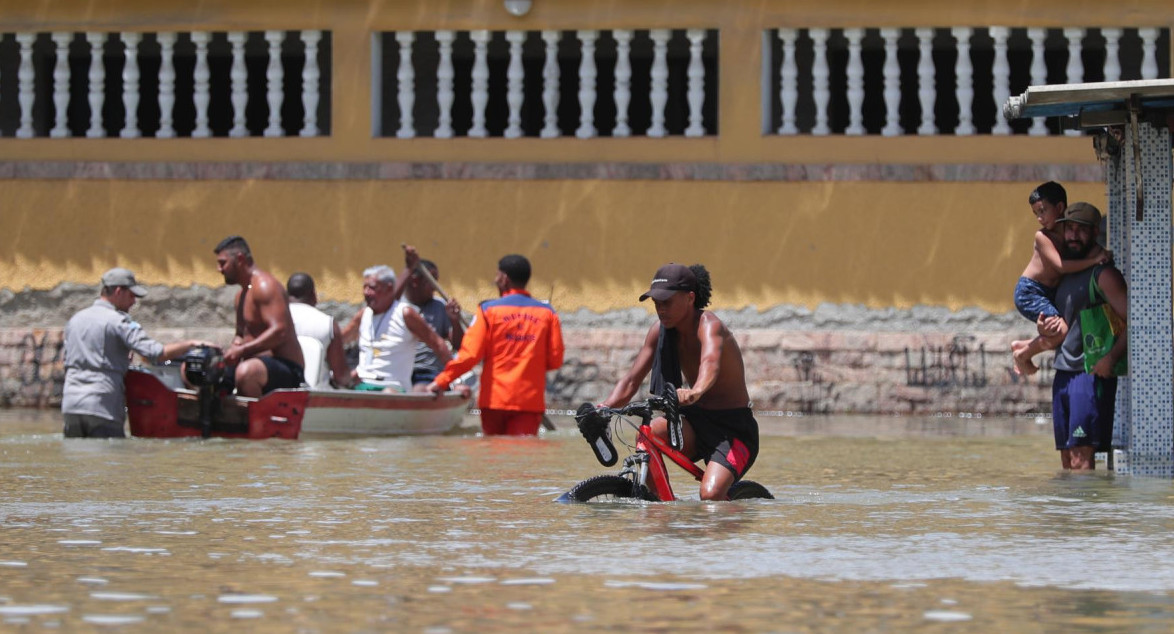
(444,317)
(1083,402)
(98,344)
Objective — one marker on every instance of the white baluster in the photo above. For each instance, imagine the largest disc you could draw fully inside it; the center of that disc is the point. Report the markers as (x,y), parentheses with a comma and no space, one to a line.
(855,76)
(964,81)
(274,83)
(26,82)
(405,77)
(1074,71)
(130,85)
(550,83)
(623,73)
(61,86)
(1039,75)
(1149,53)
(926,91)
(166,84)
(819,80)
(97,79)
(1075,68)
(514,77)
(311,76)
(444,84)
(587,74)
(696,85)
(201,76)
(480,95)
(1112,54)
(892,74)
(660,80)
(239,75)
(1001,76)
(788,81)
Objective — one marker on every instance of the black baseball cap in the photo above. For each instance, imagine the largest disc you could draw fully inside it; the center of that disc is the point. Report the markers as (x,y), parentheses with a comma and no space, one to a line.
(669,279)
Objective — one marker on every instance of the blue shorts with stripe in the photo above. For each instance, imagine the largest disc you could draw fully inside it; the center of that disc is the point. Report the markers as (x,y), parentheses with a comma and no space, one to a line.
(1082,410)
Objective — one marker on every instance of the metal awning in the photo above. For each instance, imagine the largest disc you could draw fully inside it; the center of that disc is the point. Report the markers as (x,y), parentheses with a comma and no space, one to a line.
(1111,103)
(1078,99)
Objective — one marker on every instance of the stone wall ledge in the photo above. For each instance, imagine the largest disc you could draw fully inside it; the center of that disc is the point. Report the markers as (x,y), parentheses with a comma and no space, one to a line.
(539,171)
(800,372)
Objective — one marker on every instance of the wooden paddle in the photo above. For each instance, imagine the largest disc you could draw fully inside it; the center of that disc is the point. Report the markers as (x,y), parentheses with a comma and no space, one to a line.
(423,270)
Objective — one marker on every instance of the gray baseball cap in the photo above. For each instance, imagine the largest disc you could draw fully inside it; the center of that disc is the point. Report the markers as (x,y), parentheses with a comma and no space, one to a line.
(123,277)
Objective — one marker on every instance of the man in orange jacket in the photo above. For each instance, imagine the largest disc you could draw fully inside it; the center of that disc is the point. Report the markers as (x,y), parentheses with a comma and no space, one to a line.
(520,339)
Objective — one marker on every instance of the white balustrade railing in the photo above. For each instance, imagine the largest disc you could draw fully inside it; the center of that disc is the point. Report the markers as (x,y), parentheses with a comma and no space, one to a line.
(587,83)
(939,81)
(117,100)
(549,84)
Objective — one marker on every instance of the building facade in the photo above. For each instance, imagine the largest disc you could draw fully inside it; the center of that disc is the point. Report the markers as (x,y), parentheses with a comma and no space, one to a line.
(841,168)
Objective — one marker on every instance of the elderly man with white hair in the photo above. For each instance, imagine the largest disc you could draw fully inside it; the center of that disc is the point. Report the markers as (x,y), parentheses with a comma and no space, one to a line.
(388,330)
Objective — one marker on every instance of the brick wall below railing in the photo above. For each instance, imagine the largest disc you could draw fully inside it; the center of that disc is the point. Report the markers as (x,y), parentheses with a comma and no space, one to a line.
(809,372)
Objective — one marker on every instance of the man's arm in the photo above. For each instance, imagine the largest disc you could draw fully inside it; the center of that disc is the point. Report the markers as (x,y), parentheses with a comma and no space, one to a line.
(1112,284)
(336,359)
(627,386)
(424,332)
(173,350)
(1050,256)
(274,313)
(239,336)
(411,263)
(456,331)
(350,332)
(136,339)
(555,350)
(712,334)
(471,352)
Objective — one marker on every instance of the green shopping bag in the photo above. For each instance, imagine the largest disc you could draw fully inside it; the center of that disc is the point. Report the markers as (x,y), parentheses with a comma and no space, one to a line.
(1100,326)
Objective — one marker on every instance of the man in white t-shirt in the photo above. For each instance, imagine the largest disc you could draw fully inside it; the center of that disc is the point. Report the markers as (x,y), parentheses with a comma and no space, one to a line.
(388,330)
(309,322)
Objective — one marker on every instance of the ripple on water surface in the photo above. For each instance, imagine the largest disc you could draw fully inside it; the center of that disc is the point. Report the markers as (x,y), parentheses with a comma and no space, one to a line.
(369,535)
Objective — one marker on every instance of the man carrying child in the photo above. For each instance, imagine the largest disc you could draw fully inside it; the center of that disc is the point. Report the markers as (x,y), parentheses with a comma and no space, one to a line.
(1036,289)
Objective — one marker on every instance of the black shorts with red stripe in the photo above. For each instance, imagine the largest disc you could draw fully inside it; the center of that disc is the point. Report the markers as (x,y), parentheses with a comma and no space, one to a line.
(726,436)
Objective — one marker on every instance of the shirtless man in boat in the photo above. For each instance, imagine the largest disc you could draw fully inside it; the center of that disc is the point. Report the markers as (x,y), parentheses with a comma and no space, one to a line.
(265,350)
(716,419)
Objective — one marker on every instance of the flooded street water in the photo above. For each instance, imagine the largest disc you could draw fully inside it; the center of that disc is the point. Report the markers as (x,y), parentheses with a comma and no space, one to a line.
(889,525)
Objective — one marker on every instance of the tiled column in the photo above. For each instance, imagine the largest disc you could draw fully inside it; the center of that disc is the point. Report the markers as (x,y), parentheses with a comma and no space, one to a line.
(1151,348)
(1118,214)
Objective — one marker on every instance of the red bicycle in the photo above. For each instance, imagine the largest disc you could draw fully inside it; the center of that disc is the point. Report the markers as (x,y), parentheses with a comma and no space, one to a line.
(644,476)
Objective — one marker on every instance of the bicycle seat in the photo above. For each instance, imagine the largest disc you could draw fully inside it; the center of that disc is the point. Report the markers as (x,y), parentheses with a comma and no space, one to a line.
(594,428)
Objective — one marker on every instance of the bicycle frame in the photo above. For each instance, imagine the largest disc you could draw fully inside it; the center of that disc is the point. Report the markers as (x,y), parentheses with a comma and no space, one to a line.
(650,464)
(644,475)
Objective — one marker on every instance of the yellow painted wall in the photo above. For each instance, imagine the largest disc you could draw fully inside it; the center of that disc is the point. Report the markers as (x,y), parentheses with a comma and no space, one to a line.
(593,243)
(741,23)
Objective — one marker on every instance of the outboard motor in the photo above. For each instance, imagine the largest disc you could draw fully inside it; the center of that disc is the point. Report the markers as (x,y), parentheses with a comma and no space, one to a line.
(203,368)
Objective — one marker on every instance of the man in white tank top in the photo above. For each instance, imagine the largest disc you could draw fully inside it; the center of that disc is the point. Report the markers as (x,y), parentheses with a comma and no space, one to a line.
(309,322)
(388,332)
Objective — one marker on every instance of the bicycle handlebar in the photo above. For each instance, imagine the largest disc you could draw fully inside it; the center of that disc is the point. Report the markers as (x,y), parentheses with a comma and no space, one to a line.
(593,422)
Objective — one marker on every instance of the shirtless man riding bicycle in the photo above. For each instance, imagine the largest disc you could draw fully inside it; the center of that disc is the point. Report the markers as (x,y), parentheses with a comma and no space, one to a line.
(715,409)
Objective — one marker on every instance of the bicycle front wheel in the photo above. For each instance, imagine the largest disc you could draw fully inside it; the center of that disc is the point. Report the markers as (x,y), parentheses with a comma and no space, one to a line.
(748,489)
(606,488)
